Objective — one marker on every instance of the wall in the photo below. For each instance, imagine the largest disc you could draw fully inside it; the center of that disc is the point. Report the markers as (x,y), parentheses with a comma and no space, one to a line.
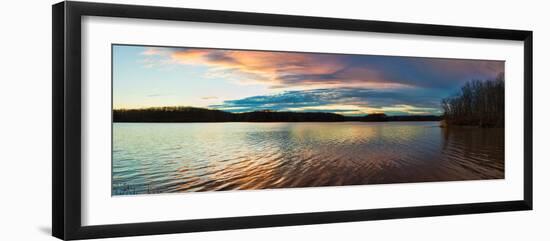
(25,128)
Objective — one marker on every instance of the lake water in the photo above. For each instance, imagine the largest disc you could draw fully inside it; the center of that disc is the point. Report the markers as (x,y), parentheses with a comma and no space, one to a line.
(188,157)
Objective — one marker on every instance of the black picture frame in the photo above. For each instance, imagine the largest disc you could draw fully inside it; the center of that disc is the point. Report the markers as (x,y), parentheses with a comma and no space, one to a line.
(66,164)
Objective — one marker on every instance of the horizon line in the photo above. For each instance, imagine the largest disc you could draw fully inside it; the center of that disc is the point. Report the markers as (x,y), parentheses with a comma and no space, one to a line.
(264,110)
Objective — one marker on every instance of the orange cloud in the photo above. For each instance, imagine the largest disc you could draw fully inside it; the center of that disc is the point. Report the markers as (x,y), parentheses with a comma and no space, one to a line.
(259,66)
(288,70)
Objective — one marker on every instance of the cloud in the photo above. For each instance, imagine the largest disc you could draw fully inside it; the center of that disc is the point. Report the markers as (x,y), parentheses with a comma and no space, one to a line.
(151,51)
(288,70)
(159,95)
(209,97)
(260,67)
(462,66)
(346,101)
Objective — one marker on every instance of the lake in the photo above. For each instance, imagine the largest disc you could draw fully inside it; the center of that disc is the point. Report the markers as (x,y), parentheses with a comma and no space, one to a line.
(190,157)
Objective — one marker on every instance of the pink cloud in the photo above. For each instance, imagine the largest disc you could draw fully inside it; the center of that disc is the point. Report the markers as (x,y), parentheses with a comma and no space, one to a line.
(312,70)
(259,66)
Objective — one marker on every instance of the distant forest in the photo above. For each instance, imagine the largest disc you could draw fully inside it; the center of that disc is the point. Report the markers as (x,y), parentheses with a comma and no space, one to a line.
(193,114)
(479,103)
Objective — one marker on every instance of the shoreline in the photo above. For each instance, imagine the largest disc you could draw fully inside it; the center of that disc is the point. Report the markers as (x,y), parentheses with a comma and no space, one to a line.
(273,121)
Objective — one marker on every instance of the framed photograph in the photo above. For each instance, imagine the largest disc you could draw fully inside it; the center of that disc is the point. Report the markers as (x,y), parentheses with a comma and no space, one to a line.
(169,120)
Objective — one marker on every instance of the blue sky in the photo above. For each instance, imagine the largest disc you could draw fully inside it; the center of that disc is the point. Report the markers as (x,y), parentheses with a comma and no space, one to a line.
(241,81)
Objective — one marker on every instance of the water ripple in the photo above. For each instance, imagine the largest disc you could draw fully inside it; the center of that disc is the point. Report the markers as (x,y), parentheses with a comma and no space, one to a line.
(189,157)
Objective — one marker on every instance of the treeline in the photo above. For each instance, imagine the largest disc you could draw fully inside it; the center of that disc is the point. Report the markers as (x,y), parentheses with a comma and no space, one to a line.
(192,114)
(479,103)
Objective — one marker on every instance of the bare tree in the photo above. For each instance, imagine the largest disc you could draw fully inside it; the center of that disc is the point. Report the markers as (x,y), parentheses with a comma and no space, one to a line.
(478,103)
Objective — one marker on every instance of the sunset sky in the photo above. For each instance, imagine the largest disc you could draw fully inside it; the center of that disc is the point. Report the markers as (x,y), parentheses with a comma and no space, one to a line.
(241,81)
